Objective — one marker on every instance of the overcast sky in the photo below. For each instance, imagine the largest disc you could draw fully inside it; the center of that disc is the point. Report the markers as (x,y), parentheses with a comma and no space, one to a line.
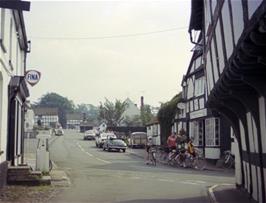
(90,50)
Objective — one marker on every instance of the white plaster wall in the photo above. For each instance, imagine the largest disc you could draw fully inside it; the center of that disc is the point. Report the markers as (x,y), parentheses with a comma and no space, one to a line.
(219,45)
(238,173)
(4,113)
(227,29)
(212,153)
(214,61)
(252,6)
(238,21)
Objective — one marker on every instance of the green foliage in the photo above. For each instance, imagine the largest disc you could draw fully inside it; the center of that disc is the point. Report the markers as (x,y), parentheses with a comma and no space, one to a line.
(146,114)
(91,112)
(166,115)
(112,112)
(63,104)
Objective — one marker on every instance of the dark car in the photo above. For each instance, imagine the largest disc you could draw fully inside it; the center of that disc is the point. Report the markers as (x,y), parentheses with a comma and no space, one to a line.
(114,144)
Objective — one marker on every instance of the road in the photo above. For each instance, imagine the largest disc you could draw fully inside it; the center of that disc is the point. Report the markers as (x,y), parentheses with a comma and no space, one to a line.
(100,176)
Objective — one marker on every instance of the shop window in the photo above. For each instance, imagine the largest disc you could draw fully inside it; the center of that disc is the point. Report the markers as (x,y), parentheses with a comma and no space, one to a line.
(212,131)
(196,132)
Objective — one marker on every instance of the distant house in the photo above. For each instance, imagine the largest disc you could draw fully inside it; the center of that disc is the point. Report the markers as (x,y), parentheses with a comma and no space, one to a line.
(74,120)
(46,116)
(131,110)
(153,130)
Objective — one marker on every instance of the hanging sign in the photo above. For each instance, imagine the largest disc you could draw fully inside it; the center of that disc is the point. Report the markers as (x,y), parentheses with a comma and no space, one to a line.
(33,77)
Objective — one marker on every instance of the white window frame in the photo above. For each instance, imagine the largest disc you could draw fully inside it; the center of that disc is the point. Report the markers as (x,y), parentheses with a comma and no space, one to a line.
(212,132)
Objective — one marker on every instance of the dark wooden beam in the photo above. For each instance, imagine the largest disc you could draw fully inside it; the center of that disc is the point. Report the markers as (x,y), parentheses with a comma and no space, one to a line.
(15,5)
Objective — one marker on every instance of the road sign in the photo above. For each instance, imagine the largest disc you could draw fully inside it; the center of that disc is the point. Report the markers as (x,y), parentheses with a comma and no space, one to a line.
(33,77)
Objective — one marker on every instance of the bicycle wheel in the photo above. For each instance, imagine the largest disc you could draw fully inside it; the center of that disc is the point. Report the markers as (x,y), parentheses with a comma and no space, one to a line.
(200,163)
(153,158)
(228,161)
(50,165)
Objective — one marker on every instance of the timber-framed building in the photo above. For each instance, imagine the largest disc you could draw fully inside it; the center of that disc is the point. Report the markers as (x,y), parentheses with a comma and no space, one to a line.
(235,65)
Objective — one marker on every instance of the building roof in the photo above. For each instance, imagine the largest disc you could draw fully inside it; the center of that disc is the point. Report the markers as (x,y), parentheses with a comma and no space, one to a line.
(131,109)
(45,111)
(74,116)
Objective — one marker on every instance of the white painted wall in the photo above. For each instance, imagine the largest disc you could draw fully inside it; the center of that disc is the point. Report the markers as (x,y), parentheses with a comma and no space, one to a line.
(9,50)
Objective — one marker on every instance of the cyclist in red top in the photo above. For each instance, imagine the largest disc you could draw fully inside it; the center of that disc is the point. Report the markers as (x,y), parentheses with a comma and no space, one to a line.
(171,142)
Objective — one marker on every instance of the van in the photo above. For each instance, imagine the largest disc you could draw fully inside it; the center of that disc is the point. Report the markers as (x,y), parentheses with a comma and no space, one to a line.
(138,139)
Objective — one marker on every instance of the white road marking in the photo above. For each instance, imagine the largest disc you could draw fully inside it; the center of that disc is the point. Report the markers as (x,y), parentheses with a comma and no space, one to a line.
(196,181)
(166,180)
(81,148)
(190,183)
(107,162)
(211,193)
(89,154)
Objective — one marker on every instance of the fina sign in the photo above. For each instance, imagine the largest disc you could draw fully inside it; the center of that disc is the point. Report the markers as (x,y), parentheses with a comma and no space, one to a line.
(33,77)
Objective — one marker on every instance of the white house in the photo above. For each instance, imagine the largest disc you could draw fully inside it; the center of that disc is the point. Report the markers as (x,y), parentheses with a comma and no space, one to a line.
(74,120)
(131,110)
(13,88)
(46,116)
(153,130)
(234,36)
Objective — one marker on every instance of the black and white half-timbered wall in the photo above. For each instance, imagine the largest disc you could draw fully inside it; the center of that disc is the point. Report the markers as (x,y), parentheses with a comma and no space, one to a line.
(199,123)
(235,62)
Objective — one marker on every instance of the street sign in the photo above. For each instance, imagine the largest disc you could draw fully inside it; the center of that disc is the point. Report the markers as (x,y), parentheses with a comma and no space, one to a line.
(32,77)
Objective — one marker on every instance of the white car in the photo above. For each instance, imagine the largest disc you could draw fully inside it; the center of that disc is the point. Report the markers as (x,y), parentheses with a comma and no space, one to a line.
(99,140)
(89,135)
(58,131)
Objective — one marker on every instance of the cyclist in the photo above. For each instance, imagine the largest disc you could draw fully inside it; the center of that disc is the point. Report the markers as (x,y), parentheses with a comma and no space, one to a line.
(190,147)
(148,146)
(171,142)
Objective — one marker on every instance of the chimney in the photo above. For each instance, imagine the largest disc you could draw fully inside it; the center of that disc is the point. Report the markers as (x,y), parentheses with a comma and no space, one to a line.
(141,102)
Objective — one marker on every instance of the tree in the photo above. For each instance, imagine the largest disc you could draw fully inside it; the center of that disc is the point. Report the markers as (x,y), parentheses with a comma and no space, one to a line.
(91,111)
(112,112)
(146,114)
(166,115)
(62,103)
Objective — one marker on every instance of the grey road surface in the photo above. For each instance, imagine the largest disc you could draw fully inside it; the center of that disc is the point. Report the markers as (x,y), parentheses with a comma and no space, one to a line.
(99,176)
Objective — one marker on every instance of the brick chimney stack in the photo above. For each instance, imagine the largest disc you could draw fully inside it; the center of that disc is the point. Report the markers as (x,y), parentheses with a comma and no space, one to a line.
(141,102)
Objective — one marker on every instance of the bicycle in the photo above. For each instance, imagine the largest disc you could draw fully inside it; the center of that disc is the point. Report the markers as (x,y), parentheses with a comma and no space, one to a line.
(152,156)
(162,154)
(197,161)
(229,159)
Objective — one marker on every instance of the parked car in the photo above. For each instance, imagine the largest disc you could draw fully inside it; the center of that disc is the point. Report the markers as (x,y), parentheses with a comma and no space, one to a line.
(114,144)
(89,135)
(99,140)
(138,139)
(58,131)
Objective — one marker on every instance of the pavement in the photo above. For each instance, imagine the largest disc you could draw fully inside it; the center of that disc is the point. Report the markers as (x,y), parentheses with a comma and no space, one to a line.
(226,193)
(58,177)
(220,193)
